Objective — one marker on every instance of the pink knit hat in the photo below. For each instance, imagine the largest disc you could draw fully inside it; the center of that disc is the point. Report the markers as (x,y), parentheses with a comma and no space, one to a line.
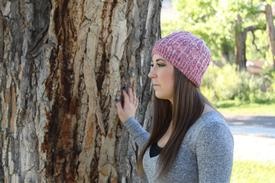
(186,52)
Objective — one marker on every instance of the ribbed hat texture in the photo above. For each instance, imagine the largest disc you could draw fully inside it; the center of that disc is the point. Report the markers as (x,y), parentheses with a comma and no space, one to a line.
(186,52)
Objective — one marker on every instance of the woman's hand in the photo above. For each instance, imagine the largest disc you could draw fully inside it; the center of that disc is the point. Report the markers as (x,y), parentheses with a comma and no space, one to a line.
(130,106)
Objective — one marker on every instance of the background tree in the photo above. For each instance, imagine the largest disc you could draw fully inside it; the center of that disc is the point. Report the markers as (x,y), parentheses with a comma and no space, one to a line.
(232,43)
(215,21)
(271,30)
(240,41)
(61,65)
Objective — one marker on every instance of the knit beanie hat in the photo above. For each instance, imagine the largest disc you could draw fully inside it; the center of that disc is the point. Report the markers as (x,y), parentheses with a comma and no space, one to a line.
(186,52)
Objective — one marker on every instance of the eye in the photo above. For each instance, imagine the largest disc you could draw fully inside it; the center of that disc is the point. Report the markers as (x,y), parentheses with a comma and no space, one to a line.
(160,65)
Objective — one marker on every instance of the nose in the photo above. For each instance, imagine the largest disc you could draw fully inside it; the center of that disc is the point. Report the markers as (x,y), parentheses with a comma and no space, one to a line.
(152,73)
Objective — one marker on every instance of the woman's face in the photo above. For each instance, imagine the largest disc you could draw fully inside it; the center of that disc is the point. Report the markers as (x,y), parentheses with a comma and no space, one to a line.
(162,76)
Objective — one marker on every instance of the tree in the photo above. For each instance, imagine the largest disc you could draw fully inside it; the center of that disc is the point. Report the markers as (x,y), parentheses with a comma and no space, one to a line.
(61,65)
(215,21)
(240,41)
(271,31)
(240,45)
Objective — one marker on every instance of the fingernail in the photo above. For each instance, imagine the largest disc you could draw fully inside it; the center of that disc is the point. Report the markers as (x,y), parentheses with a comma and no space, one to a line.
(117,99)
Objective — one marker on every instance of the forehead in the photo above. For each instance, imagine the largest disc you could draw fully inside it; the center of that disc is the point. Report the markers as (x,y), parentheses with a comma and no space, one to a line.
(158,57)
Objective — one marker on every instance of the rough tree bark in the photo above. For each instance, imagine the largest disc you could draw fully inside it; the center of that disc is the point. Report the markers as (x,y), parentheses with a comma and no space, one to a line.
(270,30)
(1,57)
(62,62)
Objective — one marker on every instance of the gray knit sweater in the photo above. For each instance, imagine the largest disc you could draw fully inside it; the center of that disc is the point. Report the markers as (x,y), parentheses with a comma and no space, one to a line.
(205,156)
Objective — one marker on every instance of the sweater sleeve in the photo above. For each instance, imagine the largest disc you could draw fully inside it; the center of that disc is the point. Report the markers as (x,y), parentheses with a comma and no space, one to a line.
(214,149)
(139,134)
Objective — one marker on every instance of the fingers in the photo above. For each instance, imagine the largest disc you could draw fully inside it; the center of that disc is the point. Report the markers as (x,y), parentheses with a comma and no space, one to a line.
(135,99)
(130,105)
(131,95)
(126,97)
(136,102)
(119,107)
(135,95)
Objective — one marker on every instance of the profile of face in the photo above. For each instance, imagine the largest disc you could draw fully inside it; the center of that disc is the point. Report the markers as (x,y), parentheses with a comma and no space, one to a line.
(162,77)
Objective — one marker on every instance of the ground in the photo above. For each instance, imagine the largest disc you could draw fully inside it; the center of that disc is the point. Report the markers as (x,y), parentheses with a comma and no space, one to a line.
(254,137)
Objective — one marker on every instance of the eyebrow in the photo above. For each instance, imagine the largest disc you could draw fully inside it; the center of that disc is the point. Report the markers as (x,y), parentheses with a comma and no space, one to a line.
(160,60)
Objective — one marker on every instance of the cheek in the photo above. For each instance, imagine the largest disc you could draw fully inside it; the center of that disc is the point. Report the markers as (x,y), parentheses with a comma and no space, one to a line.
(170,83)
(168,79)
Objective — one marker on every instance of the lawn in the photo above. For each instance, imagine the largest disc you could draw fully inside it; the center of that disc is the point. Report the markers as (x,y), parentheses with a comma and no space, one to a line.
(250,171)
(253,172)
(234,108)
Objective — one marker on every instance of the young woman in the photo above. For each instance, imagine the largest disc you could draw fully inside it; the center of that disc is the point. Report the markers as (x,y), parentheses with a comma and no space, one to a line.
(190,141)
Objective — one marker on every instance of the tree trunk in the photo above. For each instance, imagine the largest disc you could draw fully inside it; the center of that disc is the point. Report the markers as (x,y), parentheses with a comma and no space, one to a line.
(1,60)
(61,65)
(240,39)
(271,30)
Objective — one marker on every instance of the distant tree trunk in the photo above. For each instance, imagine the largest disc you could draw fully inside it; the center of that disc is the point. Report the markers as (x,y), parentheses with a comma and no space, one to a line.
(271,30)
(240,39)
(61,65)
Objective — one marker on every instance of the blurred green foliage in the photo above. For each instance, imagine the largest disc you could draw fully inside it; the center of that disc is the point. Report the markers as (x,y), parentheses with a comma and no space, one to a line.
(214,21)
(226,83)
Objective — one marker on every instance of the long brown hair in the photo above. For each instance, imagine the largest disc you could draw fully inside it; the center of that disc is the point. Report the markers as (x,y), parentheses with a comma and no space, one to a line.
(187,107)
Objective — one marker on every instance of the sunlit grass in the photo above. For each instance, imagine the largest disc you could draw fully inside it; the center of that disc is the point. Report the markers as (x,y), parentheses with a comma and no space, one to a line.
(253,172)
(234,108)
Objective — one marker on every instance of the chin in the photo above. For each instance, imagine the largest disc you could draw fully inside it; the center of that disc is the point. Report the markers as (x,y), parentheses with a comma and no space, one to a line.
(160,97)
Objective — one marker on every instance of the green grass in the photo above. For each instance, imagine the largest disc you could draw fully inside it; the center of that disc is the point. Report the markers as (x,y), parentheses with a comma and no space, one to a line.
(253,172)
(236,108)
